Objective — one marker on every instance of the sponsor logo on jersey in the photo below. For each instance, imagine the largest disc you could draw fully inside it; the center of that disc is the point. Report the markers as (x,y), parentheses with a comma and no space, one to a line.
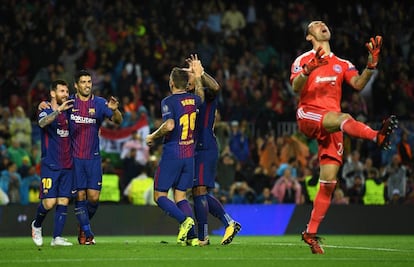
(62,132)
(325,79)
(80,119)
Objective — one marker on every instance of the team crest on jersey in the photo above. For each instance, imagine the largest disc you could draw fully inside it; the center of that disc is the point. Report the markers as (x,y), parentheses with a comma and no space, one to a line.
(91,111)
(297,69)
(337,68)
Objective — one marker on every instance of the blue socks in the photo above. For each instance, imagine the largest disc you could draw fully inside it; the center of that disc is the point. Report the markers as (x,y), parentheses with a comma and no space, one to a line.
(185,207)
(60,219)
(83,217)
(201,214)
(171,209)
(217,210)
(40,215)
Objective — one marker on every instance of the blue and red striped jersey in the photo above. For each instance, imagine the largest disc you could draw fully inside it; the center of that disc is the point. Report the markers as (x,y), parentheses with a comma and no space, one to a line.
(205,136)
(55,141)
(86,118)
(182,108)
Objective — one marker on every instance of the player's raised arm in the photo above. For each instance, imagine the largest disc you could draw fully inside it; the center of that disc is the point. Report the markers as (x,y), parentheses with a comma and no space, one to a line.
(114,104)
(374,49)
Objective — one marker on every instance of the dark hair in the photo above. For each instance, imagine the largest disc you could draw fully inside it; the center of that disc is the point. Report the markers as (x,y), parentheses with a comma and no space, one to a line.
(179,78)
(81,73)
(55,83)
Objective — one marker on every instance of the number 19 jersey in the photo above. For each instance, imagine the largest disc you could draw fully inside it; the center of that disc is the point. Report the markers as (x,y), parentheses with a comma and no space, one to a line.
(182,108)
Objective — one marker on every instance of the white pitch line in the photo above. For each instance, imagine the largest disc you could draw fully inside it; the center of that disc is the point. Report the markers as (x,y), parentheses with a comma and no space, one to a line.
(345,247)
(291,244)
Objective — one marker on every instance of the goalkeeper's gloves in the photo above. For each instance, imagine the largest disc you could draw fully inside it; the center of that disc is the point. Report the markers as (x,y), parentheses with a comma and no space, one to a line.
(374,48)
(315,62)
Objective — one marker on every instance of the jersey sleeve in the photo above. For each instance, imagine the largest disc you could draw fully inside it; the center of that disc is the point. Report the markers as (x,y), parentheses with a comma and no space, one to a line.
(43,113)
(166,109)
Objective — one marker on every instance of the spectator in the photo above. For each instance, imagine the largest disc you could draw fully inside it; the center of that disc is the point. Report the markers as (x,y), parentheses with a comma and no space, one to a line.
(357,191)
(266,197)
(233,21)
(141,149)
(226,169)
(287,189)
(140,190)
(10,181)
(374,189)
(339,197)
(30,181)
(239,143)
(21,128)
(17,153)
(353,167)
(242,193)
(395,175)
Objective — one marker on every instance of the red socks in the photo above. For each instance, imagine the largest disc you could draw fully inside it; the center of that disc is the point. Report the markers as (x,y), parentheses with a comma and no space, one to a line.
(320,205)
(358,129)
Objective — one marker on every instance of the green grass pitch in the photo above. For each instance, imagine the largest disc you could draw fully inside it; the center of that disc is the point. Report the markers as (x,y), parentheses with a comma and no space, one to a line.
(256,251)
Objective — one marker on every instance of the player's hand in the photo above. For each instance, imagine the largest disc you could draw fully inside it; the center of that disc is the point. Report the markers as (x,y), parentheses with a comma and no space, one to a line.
(374,48)
(195,65)
(66,105)
(44,105)
(149,140)
(113,103)
(315,62)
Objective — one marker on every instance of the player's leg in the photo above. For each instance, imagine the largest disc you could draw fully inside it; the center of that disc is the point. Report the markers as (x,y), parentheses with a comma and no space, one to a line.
(327,182)
(334,121)
(205,173)
(65,182)
(231,226)
(330,150)
(94,185)
(184,183)
(81,211)
(201,213)
(48,195)
(44,207)
(167,173)
(59,223)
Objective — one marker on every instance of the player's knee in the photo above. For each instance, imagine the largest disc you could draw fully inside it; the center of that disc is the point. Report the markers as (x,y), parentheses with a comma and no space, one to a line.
(49,203)
(344,116)
(199,190)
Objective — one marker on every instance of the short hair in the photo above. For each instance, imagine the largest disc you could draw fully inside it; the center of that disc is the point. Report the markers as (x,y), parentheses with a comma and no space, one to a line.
(81,73)
(55,83)
(179,78)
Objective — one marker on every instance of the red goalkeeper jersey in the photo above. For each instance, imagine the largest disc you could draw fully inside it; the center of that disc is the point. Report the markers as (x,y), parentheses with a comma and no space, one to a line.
(323,89)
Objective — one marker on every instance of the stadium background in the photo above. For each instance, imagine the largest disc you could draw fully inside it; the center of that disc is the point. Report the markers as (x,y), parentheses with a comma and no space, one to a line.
(134,44)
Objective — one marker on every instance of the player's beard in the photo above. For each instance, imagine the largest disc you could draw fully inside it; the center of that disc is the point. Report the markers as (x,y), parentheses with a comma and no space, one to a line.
(60,100)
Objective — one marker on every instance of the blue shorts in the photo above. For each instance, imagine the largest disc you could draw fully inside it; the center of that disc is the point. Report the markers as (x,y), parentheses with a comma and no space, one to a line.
(174,173)
(87,173)
(55,183)
(205,168)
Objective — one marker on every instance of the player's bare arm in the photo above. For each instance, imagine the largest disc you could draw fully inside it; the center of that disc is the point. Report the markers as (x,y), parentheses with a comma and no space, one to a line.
(209,82)
(197,70)
(358,82)
(52,116)
(166,127)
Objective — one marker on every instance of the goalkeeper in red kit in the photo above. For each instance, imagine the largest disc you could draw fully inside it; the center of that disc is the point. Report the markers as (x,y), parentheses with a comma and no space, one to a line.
(317,76)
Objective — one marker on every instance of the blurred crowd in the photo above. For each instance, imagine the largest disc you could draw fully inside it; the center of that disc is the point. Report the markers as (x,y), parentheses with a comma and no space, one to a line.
(248,46)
